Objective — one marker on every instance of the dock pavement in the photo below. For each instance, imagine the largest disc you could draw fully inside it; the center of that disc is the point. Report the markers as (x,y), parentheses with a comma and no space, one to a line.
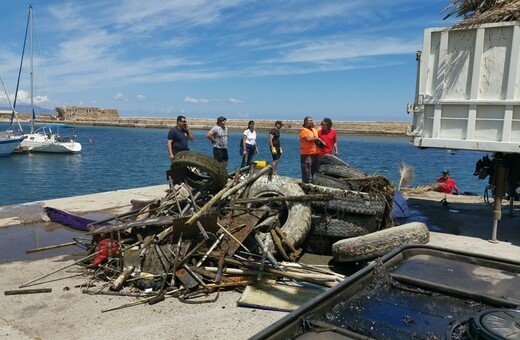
(464,224)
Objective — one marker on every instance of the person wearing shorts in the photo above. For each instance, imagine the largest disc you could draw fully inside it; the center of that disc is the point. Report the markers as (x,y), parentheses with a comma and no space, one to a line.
(274,144)
(218,136)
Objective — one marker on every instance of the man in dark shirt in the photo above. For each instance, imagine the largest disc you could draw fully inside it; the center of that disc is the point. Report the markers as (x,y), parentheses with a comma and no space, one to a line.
(178,137)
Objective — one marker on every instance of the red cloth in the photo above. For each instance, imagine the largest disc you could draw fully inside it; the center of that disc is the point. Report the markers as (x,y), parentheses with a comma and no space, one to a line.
(447,185)
(104,247)
(329,138)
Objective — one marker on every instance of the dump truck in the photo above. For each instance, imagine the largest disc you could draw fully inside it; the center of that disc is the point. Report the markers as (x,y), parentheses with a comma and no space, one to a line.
(467,97)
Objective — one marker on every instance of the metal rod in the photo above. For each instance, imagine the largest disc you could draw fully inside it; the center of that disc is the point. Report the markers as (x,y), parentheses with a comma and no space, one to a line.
(56,246)
(28,291)
(58,270)
(233,237)
(213,246)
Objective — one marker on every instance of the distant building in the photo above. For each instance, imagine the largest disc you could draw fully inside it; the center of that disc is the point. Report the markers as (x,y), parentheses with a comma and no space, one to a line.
(5,113)
(86,113)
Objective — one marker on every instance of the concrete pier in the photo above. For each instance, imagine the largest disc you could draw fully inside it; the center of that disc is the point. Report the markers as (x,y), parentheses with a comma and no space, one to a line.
(464,224)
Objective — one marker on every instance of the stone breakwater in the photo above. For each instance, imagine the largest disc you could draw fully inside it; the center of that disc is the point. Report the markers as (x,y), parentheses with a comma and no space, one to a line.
(358,128)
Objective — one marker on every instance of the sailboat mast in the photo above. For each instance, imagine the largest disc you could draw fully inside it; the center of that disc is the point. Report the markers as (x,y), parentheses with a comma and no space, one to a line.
(21,65)
(33,116)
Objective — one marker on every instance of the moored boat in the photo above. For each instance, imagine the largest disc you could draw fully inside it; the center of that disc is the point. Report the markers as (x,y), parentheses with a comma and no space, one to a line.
(8,143)
(54,138)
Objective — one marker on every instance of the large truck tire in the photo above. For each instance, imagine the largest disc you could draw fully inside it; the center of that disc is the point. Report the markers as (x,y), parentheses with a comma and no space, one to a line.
(341,171)
(202,170)
(357,225)
(332,160)
(295,220)
(379,243)
(346,201)
(331,182)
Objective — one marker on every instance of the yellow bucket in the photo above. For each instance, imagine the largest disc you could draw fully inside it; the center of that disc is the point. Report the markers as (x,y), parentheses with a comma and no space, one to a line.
(261,164)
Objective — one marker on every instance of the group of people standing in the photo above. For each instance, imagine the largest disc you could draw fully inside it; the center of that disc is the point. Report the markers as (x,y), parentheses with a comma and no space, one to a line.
(218,136)
(313,143)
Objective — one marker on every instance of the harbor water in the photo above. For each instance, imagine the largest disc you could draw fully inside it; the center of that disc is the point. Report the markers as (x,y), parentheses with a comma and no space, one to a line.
(115,158)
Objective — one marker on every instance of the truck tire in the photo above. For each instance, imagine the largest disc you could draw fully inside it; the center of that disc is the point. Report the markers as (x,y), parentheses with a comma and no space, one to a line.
(331,182)
(346,201)
(295,220)
(357,226)
(341,171)
(202,170)
(332,160)
(380,242)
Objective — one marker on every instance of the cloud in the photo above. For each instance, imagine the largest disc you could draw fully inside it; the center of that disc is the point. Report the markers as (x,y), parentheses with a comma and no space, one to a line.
(155,45)
(189,99)
(235,101)
(119,97)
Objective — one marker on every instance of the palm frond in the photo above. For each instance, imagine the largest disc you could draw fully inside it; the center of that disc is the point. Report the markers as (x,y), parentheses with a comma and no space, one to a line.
(475,12)
(406,178)
(420,189)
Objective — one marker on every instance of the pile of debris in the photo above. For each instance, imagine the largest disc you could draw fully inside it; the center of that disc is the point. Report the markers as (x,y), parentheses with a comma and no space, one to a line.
(216,231)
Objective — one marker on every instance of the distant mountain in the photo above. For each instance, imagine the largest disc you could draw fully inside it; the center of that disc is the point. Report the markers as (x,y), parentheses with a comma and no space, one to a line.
(27,109)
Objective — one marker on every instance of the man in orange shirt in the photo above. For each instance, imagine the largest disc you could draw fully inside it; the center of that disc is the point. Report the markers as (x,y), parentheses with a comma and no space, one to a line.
(309,158)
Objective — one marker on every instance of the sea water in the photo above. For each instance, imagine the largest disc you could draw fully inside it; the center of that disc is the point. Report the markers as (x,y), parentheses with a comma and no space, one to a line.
(115,158)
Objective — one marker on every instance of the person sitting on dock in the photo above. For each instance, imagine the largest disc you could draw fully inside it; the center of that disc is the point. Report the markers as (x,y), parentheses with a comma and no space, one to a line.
(447,184)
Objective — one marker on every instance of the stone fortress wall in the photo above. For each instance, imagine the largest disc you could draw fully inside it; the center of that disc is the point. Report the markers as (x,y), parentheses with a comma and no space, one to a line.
(110,117)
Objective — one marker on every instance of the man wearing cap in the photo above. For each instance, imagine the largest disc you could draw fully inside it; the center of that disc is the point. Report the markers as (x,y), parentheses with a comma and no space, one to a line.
(447,184)
(274,144)
(218,136)
(309,158)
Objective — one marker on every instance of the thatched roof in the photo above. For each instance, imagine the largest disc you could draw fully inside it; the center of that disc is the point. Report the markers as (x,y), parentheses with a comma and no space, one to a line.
(476,12)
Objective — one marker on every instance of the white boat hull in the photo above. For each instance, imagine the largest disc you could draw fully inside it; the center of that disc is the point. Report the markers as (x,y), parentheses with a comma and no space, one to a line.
(8,145)
(40,142)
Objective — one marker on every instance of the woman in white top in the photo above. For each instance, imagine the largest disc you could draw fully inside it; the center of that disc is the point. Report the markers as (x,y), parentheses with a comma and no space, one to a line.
(248,146)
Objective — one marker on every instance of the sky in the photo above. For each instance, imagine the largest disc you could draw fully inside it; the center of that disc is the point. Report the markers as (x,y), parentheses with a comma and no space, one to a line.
(349,60)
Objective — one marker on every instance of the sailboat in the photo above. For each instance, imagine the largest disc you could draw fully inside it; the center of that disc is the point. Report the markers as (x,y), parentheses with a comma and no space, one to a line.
(9,141)
(48,138)
(13,136)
